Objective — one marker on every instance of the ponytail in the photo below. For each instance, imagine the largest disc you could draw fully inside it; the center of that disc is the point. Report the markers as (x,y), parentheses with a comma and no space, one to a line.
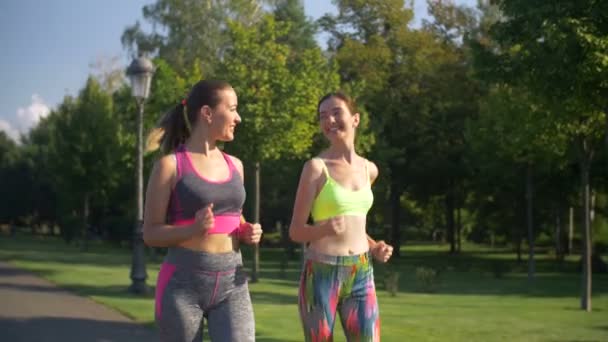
(173,129)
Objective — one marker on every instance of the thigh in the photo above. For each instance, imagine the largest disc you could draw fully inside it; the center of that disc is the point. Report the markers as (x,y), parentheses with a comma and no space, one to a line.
(359,312)
(317,300)
(179,317)
(231,320)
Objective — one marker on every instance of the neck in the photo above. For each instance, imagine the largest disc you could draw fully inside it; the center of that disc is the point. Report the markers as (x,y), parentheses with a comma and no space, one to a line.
(200,142)
(345,151)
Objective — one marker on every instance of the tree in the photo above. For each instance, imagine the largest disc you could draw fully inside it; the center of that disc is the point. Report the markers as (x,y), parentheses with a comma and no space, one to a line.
(408,80)
(513,132)
(301,30)
(84,153)
(13,202)
(185,31)
(277,95)
(558,50)
(453,98)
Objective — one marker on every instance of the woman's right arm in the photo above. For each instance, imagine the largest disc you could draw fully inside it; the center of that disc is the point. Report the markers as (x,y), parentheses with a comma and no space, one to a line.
(299,230)
(156,231)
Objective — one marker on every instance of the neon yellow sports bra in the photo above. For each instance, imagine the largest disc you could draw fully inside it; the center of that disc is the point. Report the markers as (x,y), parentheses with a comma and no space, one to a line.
(334,200)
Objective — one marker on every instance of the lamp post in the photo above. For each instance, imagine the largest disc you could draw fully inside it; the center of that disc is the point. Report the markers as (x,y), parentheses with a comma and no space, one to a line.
(140,74)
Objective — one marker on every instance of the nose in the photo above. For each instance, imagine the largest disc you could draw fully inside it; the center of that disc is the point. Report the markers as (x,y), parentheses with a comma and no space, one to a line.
(237,119)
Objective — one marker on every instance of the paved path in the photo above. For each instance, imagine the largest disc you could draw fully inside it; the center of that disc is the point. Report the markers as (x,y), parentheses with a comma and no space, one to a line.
(34,310)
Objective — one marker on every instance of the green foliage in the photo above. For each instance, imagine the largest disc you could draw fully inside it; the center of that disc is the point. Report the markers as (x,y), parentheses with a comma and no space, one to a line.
(559,52)
(277,98)
(83,143)
(189,31)
(301,30)
(416,86)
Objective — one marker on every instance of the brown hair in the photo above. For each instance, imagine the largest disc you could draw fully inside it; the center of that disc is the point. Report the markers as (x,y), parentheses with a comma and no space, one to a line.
(349,101)
(174,128)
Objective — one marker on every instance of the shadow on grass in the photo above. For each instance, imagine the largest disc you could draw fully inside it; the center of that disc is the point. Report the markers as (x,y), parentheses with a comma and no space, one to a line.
(100,291)
(267,297)
(261,337)
(468,273)
(55,329)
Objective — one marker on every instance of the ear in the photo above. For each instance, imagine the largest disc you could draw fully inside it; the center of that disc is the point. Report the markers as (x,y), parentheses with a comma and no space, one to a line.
(356,120)
(206,114)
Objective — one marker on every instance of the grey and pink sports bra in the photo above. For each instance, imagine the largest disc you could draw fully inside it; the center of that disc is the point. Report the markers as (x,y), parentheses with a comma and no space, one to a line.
(193,192)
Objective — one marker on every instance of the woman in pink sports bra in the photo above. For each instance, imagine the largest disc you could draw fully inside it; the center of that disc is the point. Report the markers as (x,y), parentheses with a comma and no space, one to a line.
(193,206)
(335,189)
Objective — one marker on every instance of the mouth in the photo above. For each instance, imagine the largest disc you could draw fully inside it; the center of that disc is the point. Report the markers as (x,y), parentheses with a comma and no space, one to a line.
(332,130)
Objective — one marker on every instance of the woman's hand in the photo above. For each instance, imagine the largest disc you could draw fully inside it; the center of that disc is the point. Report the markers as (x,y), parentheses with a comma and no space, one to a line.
(335,225)
(204,219)
(250,233)
(382,251)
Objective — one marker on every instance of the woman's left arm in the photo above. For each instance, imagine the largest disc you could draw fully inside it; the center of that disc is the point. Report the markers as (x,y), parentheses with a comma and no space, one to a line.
(249,233)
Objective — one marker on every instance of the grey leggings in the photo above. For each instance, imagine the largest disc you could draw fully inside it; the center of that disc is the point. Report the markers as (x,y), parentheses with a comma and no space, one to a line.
(195,285)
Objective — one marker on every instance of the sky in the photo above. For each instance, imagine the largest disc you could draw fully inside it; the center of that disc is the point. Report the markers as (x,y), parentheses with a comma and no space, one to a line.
(49,47)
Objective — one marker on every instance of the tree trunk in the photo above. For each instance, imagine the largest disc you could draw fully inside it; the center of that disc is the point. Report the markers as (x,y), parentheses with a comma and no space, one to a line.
(529,222)
(518,247)
(458,229)
(592,206)
(256,219)
(570,230)
(449,217)
(586,255)
(558,235)
(395,197)
(85,224)
(606,128)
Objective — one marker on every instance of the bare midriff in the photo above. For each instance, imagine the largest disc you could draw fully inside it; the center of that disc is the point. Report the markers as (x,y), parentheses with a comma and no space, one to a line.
(212,243)
(352,241)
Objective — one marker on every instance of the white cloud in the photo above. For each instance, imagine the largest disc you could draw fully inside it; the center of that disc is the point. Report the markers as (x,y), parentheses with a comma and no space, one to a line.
(29,116)
(25,118)
(11,131)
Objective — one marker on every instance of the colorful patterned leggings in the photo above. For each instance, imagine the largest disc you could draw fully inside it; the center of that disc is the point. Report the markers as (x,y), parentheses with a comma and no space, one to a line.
(338,283)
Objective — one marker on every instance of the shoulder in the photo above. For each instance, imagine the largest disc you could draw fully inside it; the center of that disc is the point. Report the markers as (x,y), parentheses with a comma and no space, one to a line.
(236,161)
(314,167)
(238,164)
(372,169)
(312,171)
(166,163)
(165,168)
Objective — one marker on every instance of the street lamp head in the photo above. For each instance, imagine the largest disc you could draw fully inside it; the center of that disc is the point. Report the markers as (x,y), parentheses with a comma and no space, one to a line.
(140,74)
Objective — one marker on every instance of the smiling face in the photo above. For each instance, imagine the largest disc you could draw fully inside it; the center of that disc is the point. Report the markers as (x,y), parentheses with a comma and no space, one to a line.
(223,118)
(337,121)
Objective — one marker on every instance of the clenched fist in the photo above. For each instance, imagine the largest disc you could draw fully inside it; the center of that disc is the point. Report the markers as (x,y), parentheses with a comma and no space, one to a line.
(382,251)
(335,225)
(250,233)
(204,219)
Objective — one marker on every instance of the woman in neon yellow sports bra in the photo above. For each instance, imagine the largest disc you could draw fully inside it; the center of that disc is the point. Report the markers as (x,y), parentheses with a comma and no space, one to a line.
(335,189)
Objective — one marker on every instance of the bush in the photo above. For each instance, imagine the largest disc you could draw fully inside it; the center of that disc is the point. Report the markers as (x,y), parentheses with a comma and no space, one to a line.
(427,279)
(499,268)
(597,264)
(391,282)
(70,226)
(117,229)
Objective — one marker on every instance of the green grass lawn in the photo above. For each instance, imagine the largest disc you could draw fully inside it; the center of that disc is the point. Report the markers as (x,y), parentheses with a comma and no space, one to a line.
(479,295)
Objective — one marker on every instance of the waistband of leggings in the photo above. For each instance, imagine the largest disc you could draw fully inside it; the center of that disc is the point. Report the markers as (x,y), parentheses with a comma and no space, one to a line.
(216,262)
(339,260)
